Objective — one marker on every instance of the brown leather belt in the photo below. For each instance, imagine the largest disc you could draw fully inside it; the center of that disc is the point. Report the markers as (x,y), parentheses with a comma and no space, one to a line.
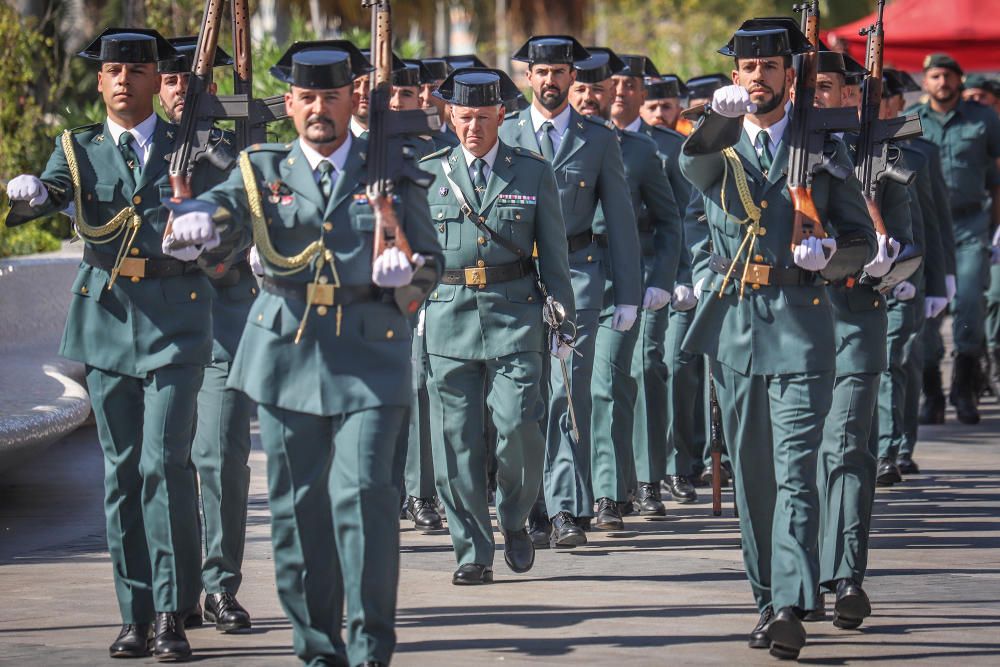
(763,274)
(481,276)
(584,239)
(323,294)
(139,267)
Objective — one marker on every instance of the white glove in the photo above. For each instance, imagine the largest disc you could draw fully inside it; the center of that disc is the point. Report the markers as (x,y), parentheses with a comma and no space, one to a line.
(888,250)
(188,253)
(732,102)
(253,257)
(697,289)
(809,254)
(994,254)
(684,298)
(655,298)
(420,321)
(624,317)
(904,291)
(951,287)
(195,228)
(393,269)
(559,349)
(27,188)
(934,306)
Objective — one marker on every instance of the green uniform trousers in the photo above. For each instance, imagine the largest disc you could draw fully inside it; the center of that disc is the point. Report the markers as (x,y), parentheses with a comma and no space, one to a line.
(418,476)
(649,371)
(993,309)
(333,491)
(846,479)
(913,364)
(902,316)
(150,498)
(972,259)
(686,417)
(456,387)
(773,426)
(566,480)
(613,395)
(220,453)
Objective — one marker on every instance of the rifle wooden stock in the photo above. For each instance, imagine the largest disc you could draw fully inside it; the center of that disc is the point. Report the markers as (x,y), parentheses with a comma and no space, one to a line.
(388,233)
(806,223)
(876,216)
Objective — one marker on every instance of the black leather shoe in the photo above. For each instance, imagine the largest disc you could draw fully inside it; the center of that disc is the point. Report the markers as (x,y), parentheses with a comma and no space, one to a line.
(228,614)
(852,606)
(758,636)
(170,643)
(787,634)
(819,613)
(727,475)
(583,522)
(423,513)
(608,515)
(648,500)
(193,618)
(518,550)
(907,465)
(132,642)
(888,473)
(472,574)
(565,533)
(963,394)
(539,527)
(682,490)
(932,410)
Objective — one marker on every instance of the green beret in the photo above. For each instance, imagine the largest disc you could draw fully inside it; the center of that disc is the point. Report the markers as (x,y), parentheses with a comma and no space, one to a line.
(942,60)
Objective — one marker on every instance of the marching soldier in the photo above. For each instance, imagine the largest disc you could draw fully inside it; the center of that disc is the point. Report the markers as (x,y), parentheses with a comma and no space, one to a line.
(969,137)
(606,84)
(491,203)
(434,72)
(587,161)
(326,355)
(141,323)
(774,402)
(221,445)
(662,106)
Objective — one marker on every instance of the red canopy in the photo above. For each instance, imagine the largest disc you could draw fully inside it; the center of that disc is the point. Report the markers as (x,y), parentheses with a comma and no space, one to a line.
(968,30)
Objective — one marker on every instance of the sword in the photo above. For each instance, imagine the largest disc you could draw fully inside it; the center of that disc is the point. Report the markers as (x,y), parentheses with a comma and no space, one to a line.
(555,315)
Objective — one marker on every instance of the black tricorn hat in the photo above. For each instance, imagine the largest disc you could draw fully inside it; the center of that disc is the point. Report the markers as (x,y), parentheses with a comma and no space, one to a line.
(905,82)
(342,62)
(551,50)
(464,60)
(638,66)
(478,87)
(397,62)
(410,75)
(704,85)
(600,66)
(128,45)
(436,69)
(668,85)
(763,38)
(831,62)
(855,72)
(184,60)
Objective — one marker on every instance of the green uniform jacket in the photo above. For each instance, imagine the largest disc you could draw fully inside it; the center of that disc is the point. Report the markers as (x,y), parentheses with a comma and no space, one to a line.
(659,221)
(152,323)
(669,143)
(926,233)
(588,169)
(941,217)
(774,330)
(366,363)
(521,204)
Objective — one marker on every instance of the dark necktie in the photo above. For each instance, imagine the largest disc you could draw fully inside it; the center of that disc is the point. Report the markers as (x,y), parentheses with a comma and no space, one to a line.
(766,159)
(325,169)
(125,141)
(479,178)
(545,142)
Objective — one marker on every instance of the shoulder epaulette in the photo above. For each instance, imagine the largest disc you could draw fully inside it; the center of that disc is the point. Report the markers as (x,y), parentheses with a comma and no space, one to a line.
(600,122)
(528,153)
(85,128)
(667,131)
(273,148)
(438,153)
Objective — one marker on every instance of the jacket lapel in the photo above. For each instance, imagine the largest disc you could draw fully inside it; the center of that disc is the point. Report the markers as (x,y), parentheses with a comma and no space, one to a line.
(500,177)
(350,176)
(105,152)
(573,139)
(779,166)
(156,156)
(298,176)
(459,174)
(526,131)
(745,149)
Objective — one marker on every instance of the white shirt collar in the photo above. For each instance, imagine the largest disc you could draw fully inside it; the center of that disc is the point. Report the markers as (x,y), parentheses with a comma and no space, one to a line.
(774,133)
(143,132)
(490,157)
(559,123)
(635,125)
(357,129)
(338,158)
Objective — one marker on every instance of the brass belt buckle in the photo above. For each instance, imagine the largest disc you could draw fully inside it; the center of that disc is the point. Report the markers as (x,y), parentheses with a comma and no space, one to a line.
(320,294)
(759,274)
(475,276)
(133,267)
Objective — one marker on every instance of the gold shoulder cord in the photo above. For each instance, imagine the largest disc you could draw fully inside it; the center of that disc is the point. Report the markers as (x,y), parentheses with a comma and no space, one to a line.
(732,163)
(283,265)
(126,220)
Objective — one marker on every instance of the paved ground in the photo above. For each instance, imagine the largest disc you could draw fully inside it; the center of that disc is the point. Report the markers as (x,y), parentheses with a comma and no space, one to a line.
(672,592)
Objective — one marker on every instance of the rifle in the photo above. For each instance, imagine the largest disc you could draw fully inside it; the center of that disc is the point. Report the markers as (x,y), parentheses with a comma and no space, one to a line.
(807,132)
(387,163)
(194,141)
(876,155)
